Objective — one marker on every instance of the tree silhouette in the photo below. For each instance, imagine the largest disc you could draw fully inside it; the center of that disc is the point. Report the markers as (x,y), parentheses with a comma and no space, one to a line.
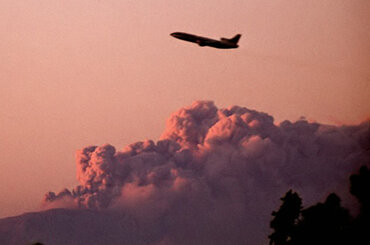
(324,223)
(285,219)
(360,188)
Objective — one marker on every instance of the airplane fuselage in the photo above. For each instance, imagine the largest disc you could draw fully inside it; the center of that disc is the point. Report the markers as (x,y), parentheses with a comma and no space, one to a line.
(223,43)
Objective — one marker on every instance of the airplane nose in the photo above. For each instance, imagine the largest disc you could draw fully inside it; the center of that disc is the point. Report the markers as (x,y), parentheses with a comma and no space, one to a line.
(175,34)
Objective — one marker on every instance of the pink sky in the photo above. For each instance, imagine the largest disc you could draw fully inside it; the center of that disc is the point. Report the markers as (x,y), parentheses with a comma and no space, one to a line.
(89,72)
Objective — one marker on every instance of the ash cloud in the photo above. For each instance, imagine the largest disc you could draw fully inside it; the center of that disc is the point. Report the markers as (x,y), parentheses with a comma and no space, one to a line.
(215,175)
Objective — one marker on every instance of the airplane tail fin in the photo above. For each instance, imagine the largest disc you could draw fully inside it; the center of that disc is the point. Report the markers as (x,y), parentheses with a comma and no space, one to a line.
(235,39)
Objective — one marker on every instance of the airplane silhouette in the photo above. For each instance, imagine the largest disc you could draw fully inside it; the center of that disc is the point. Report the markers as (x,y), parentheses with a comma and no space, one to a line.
(223,43)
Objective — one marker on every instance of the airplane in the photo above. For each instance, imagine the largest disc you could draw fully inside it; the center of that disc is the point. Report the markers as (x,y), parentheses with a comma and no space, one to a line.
(223,43)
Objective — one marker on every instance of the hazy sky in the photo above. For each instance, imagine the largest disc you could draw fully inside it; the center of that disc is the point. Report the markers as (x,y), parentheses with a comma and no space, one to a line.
(88,72)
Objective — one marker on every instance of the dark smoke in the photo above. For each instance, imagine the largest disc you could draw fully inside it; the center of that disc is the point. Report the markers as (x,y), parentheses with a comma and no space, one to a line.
(215,175)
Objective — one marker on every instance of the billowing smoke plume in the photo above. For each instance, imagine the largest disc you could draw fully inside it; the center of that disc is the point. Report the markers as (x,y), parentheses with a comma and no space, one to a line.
(215,175)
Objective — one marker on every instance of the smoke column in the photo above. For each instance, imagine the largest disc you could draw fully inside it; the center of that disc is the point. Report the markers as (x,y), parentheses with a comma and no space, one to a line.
(215,175)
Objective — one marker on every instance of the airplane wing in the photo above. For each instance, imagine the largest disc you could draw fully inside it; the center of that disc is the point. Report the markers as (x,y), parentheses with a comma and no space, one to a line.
(202,41)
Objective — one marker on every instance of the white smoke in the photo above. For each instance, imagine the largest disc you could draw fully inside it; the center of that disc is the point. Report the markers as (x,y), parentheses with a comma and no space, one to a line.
(215,175)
